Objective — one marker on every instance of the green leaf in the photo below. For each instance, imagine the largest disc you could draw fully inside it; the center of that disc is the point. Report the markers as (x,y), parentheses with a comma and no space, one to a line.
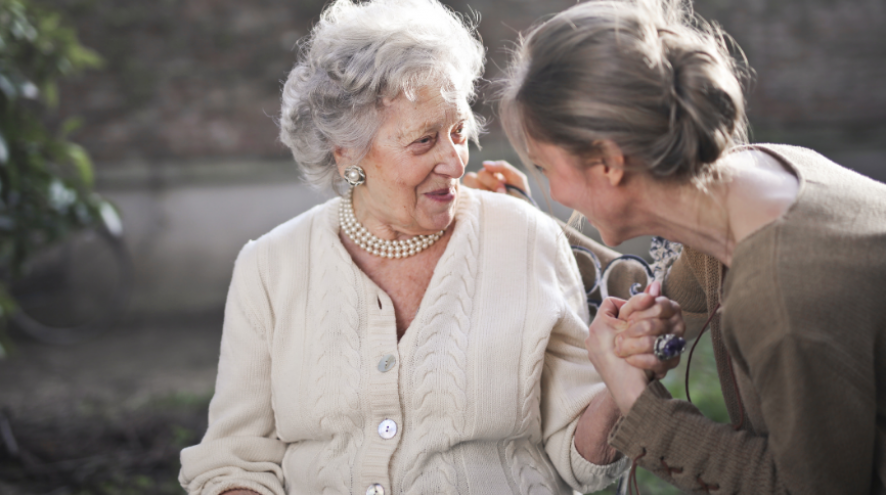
(50,94)
(80,158)
(82,57)
(70,125)
(47,181)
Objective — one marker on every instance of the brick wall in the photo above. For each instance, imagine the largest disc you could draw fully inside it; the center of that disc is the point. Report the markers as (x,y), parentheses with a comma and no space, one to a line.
(200,79)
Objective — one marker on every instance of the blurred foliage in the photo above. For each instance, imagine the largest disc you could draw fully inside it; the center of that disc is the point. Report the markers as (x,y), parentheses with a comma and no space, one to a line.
(704,387)
(45,180)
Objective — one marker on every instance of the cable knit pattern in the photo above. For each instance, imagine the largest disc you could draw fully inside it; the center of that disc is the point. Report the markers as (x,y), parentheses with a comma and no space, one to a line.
(525,468)
(523,459)
(440,382)
(484,389)
(337,364)
(522,452)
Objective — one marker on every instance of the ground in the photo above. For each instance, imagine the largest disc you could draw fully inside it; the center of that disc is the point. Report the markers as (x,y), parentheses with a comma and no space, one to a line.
(108,416)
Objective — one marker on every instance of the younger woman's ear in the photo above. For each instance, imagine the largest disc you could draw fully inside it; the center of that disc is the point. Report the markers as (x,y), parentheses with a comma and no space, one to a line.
(613,161)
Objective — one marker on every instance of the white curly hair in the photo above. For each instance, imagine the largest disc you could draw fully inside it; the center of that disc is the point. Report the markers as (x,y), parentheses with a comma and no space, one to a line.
(359,54)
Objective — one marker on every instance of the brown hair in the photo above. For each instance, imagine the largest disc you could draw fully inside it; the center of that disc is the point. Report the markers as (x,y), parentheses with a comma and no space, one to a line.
(647,74)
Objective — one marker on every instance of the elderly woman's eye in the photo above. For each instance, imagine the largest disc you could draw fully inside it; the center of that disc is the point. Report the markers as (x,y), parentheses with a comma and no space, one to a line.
(538,167)
(459,134)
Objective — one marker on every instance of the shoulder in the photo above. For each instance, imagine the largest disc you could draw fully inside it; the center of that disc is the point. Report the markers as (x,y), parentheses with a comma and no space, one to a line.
(816,169)
(286,247)
(503,213)
(833,232)
(517,234)
(808,281)
(515,229)
(296,233)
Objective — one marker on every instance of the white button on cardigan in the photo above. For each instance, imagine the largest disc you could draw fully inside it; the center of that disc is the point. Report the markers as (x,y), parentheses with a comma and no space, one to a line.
(489,382)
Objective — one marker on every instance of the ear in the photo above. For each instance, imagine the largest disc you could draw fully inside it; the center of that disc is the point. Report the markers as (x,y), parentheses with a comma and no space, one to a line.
(613,162)
(342,159)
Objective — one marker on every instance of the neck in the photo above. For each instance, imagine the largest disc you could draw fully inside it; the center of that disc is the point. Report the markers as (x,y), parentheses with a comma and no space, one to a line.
(385,248)
(681,212)
(759,190)
(373,223)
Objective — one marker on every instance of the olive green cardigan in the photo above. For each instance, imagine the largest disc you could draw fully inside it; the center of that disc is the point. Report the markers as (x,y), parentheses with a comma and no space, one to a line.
(803,324)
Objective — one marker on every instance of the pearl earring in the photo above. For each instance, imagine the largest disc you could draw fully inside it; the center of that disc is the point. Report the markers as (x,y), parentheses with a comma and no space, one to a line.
(355,175)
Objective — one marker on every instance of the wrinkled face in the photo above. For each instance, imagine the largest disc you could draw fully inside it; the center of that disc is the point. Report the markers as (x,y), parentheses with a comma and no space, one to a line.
(581,185)
(414,164)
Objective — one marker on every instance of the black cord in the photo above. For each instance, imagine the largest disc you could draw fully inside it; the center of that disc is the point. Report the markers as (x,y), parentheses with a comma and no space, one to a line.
(521,192)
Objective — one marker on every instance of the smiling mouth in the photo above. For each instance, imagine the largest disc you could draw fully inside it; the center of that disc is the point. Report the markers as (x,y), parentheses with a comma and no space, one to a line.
(443,195)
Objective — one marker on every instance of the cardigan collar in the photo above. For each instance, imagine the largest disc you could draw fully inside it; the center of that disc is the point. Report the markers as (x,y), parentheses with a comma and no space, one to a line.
(453,278)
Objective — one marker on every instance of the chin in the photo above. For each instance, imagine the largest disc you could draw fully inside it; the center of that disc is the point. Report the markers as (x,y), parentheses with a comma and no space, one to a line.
(440,221)
(435,221)
(610,239)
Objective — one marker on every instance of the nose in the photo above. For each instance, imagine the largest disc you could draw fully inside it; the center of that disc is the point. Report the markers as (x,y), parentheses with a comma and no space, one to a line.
(452,159)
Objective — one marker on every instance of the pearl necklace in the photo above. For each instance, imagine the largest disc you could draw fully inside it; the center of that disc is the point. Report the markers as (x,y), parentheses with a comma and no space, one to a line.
(402,248)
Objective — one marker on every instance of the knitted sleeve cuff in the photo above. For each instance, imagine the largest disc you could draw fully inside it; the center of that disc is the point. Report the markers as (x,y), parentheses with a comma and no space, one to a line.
(221,487)
(594,477)
(642,421)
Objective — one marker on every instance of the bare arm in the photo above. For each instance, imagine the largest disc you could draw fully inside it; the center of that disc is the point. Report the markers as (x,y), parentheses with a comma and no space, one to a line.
(593,430)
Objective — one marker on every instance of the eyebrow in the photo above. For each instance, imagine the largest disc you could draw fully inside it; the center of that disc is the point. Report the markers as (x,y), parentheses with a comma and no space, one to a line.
(430,125)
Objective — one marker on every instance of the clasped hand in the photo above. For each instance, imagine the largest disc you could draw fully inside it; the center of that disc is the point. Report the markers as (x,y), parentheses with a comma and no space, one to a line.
(621,339)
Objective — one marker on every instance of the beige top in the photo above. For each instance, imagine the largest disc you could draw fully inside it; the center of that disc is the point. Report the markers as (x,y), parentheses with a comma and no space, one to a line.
(481,396)
(804,320)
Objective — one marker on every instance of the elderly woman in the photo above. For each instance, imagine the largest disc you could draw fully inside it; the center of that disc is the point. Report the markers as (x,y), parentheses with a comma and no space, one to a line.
(634,111)
(411,336)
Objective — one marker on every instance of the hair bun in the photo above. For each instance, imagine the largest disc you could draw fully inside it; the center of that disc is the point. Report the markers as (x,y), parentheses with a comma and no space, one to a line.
(703,97)
(646,74)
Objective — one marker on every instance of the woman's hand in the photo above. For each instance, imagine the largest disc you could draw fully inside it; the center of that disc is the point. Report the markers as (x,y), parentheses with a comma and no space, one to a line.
(648,315)
(621,338)
(494,176)
(625,382)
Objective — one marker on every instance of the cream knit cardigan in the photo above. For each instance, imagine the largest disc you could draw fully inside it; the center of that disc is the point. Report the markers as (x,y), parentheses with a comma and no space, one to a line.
(486,389)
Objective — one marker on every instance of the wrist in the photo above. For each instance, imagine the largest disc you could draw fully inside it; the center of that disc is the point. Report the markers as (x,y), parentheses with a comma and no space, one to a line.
(594,426)
(629,392)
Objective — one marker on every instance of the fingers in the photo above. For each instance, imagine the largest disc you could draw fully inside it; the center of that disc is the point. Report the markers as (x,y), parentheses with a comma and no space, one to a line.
(655,327)
(485,181)
(495,175)
(650,363)
(639,337)
(605,326)
(491,181)
(470,180)
(509,173)
(627,347)
(661,308)
(611,306)
(638,303)
(653,289)
(646,316)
